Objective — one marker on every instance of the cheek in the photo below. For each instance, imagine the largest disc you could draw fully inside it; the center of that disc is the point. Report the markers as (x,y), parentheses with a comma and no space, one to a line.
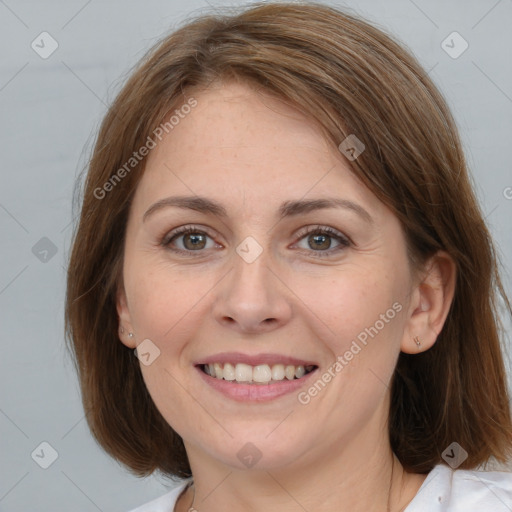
(164,308)
(359,319)
(165,304)
(355,301)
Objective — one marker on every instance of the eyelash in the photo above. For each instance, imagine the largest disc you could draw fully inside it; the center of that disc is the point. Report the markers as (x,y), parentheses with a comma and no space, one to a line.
(344,241)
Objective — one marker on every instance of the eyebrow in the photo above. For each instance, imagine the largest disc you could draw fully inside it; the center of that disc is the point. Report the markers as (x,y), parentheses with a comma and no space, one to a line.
(287,209)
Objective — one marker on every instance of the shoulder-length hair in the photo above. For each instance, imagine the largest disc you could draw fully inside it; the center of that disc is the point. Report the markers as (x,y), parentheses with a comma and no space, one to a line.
(353,79)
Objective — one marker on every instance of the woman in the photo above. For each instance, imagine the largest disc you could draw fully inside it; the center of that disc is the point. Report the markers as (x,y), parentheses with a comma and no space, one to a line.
(278,223)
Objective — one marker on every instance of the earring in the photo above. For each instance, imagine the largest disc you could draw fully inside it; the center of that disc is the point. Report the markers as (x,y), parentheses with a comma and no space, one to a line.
(418,342)
(121,330)
(130,335)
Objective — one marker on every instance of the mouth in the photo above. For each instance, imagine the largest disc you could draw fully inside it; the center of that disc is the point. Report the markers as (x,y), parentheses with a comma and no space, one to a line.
(253,378)
(261,374)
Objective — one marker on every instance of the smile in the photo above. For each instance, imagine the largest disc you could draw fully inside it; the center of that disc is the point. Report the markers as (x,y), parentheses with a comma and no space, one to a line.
(259,374)
(260,383)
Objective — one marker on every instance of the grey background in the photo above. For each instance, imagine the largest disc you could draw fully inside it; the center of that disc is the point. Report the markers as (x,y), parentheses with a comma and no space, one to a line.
(50,109)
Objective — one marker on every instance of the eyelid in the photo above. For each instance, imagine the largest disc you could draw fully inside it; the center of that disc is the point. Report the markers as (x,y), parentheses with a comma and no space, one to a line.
(343,240)
(323,229)
(183,230)
(188,228)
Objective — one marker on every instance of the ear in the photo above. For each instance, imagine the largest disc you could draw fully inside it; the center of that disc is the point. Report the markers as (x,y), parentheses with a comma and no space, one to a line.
(431,300)
(124,319)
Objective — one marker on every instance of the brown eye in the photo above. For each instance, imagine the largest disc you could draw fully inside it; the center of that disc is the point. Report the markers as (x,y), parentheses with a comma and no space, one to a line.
(187,240)
(194,241)
(322,242)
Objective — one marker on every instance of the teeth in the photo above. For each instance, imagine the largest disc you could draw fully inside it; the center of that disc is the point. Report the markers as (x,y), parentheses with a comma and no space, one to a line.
(278,372)
(243,372)
(289,372)
(260,374)
(218,371)
(228,373)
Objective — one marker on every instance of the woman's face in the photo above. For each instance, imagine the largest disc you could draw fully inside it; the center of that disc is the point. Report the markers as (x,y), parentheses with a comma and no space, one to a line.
(258,280)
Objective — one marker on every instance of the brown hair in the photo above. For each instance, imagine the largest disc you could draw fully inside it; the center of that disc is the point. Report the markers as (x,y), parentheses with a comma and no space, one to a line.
(352,78)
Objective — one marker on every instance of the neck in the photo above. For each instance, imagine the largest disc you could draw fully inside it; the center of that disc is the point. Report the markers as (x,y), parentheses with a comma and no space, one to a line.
(371,480)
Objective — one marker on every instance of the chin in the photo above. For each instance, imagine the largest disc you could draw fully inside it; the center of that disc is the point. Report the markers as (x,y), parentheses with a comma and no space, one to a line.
(260,448)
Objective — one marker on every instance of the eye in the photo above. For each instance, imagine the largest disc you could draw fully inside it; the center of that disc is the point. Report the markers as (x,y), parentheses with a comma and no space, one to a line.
(188,239)
(322,240)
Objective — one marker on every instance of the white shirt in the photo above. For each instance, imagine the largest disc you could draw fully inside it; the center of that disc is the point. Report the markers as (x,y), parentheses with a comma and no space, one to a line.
(444,490)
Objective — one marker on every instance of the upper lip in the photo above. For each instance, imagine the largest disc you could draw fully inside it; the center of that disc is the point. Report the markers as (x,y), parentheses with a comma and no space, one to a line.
(253,360)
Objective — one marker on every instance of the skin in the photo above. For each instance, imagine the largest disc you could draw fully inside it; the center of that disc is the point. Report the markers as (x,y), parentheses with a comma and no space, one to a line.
(251,152)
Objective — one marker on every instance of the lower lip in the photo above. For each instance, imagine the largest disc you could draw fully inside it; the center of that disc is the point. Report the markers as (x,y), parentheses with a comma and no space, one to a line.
(255,392)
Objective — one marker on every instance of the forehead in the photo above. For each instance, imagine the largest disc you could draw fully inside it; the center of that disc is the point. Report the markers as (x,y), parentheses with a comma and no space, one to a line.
(241,142)
(235,121)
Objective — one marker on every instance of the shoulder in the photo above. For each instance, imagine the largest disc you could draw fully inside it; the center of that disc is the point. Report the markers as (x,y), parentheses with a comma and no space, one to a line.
(449,490)
(166,502)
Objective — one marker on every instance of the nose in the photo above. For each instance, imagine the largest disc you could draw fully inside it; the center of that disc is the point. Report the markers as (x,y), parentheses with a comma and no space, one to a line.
(252,298)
